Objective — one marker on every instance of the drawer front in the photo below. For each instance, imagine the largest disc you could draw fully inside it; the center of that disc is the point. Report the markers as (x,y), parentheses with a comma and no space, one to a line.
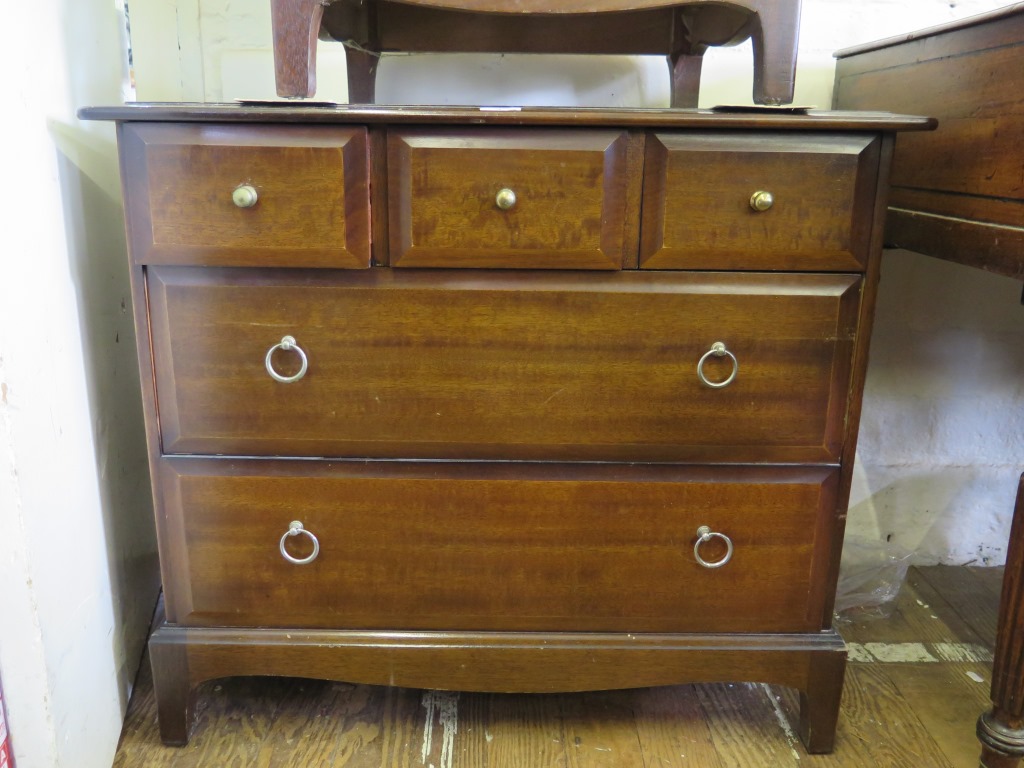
(511,198)
(503,365)
(703,195)
(303,198)
(496,547)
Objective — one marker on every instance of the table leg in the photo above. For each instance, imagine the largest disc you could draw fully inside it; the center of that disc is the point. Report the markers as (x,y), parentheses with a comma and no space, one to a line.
(1001,730)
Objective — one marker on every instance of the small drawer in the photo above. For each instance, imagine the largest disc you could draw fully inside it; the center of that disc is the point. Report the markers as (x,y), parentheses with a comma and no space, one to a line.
(222,195)
(520,198)
(496,547)
(458,364)
(758,201)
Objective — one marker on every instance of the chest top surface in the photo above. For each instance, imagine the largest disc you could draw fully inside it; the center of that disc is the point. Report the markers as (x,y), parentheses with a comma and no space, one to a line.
(757,118)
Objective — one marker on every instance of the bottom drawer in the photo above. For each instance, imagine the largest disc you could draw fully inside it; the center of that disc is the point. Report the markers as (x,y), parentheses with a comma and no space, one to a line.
(514,547)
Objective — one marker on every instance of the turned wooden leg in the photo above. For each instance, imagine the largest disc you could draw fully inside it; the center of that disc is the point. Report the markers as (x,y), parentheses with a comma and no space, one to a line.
(684,68)
(819,704)
(296,25)
(173,688)
(1001,730)
(362,75)
(775,47)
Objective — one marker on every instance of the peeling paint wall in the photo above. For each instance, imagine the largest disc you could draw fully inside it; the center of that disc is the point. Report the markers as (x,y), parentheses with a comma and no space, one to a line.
(942,435)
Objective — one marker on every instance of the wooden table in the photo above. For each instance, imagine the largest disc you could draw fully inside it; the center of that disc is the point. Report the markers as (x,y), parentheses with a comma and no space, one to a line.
(680,30)
(958,194)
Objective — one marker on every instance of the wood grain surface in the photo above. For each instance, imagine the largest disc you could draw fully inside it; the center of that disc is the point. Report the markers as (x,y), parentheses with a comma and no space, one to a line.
(496,547)
(1002,729)
(570,188)
(957,191)
(362,114)
(563,7)
(925,711)
(404,27)
(974,97)
(681,31)
(313,207)
(505,469)
(296,25)
(504,365)
(697,212)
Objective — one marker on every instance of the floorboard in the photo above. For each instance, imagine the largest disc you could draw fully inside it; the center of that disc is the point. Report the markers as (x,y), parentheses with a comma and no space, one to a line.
(916,682)
(960,589)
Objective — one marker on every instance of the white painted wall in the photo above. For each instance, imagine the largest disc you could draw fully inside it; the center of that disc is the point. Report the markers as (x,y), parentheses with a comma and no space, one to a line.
(78,578)
(942,437)
(226,54)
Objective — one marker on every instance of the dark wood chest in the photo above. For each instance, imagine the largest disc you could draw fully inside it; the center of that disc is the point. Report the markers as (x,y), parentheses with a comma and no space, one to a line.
(541,401)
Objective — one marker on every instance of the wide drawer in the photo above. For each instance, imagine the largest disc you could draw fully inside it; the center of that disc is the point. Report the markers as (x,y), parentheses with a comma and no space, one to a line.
(760,201)
(231,195)
(502,365)
(495,547)
(523,198)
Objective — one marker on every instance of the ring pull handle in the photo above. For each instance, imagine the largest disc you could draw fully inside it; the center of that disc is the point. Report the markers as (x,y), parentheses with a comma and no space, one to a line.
(505,199)
(704,535)
(762,200)
(717,350)
(288,345)
(245,196)
(295,528)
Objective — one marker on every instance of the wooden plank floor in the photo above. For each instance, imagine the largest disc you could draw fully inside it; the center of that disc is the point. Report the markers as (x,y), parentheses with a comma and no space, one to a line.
(914,688)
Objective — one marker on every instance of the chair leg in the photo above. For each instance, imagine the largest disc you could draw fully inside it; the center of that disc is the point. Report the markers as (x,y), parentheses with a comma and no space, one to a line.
(296,25)
(362,75)
(684,69)
(775,48)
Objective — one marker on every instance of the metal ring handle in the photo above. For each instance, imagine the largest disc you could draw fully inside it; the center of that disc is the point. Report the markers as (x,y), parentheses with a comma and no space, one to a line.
(718,350)
(288,345)
(705,534)
(294,529)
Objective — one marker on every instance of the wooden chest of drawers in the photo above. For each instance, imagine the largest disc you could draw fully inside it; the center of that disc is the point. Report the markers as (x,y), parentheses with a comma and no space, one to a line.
(538,401)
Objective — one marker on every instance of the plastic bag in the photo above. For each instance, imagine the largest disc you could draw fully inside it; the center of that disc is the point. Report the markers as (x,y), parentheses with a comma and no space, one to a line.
(870,577)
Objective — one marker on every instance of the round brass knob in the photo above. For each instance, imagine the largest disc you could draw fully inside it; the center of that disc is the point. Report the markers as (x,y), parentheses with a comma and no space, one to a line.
(761,201)
(244,196)
(505,198)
